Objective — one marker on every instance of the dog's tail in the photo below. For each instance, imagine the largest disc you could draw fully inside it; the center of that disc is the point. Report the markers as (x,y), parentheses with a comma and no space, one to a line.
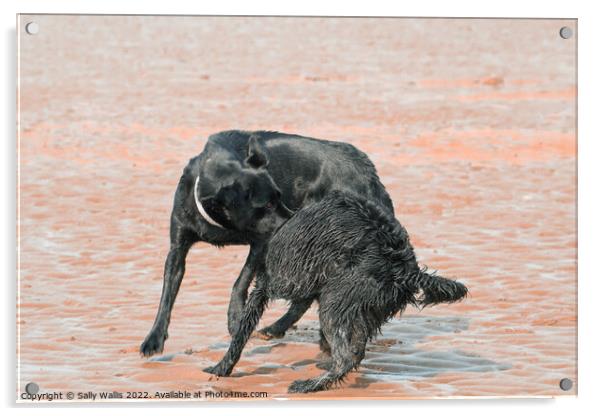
(437,289)
(409,280)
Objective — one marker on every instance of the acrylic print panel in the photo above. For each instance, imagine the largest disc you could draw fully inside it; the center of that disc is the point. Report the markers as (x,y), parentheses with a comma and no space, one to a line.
(470,124)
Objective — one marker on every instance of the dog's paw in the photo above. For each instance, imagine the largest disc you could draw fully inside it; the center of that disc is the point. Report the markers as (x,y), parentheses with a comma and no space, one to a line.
(303,386)
(268,333)
(153,344)
(218,370)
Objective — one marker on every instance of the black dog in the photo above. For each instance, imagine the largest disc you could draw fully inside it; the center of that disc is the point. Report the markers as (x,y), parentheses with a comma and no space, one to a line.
(356,260)
(260,177)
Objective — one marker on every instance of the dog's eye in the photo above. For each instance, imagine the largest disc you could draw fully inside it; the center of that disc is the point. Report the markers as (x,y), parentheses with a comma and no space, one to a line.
(269,205)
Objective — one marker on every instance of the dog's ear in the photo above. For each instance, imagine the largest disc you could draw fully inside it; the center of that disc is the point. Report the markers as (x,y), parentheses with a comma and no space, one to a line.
(256,154)
(218,173)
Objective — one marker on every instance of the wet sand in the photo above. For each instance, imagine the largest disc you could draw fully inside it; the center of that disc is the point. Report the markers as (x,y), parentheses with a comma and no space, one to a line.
(470,123)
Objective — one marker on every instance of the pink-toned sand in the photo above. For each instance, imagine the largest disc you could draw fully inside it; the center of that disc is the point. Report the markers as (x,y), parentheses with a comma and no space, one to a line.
(471,124)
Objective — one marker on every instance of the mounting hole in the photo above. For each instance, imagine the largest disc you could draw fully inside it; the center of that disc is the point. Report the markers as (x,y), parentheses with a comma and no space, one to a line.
(566,32)
(566,384)
(32,388)
(32,28)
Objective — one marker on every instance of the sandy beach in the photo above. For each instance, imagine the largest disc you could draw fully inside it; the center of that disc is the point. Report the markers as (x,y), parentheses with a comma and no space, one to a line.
(470,123)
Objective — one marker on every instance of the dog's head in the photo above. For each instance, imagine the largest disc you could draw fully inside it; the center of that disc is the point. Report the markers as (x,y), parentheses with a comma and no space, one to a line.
(249,200)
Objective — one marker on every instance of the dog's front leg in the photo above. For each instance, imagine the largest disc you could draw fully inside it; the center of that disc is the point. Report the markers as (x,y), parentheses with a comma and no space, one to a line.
(239,290)
(250,318)
(181,241)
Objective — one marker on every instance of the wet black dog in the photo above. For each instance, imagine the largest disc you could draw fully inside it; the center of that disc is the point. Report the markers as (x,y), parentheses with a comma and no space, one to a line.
(238,190)
(356,260)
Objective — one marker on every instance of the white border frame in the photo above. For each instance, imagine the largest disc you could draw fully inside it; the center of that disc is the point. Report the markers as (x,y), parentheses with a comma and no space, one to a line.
(589,208)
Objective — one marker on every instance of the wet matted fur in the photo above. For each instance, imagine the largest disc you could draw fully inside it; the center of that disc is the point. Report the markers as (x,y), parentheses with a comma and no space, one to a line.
(237,190)
(356,260)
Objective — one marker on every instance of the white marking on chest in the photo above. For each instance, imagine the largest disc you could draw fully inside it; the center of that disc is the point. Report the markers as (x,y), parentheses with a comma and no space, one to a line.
(199,206)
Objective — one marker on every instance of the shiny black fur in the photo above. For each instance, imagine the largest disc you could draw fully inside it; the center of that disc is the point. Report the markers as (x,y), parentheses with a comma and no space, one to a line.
(249,182)
(356,260)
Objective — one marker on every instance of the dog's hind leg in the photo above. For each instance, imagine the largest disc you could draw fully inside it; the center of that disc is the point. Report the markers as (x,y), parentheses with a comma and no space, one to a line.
(279,328)
(325,353)
(348,348)
(324,345)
